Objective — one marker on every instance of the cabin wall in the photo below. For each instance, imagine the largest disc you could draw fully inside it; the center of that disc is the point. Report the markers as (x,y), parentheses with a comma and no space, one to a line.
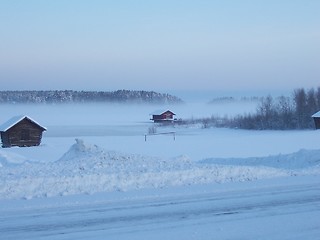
(5,139)
(168,116)
(163,116)
(158,117)
(25,133)
(317,122)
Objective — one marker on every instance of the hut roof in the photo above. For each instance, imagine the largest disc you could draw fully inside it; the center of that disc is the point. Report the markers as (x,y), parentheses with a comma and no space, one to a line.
(159,112)
(316,115)
(16,119)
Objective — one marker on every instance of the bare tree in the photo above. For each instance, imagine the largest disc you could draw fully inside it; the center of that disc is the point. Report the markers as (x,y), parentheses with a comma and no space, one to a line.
(266,112)
(311,101)
(286,113)
(318,99)
(300,99)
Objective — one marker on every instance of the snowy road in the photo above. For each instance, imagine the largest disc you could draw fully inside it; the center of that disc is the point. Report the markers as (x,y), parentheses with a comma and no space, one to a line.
(287,211)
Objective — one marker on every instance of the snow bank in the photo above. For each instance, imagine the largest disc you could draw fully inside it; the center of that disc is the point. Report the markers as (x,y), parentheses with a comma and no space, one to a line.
(88,169)
(8,159)
(294,161)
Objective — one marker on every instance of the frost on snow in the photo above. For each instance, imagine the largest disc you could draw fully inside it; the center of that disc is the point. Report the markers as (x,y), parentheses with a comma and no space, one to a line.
(87,169)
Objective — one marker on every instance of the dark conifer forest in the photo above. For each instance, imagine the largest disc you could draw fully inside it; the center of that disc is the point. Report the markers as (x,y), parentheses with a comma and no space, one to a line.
(69,96)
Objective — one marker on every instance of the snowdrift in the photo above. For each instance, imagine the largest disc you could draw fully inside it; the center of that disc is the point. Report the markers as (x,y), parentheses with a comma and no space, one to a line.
(11,159)
(87,169)
(294,161)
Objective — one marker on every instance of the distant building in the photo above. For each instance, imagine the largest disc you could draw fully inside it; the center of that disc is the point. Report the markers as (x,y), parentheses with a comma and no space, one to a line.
(21,131)
(316,118)
(163,116)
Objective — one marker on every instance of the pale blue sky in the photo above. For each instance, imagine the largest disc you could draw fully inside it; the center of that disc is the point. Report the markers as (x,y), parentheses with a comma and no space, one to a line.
(159,45)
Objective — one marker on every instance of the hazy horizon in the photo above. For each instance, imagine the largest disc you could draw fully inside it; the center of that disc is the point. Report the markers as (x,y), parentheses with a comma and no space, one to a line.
(166,46)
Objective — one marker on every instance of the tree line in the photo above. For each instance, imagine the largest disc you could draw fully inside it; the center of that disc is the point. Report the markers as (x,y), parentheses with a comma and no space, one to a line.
(281,113)
(70,96)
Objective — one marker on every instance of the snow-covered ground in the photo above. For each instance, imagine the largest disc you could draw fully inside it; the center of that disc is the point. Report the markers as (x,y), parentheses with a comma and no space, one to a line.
(96,174)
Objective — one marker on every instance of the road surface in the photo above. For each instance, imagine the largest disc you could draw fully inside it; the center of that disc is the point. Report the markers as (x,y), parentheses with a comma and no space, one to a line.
(288,211)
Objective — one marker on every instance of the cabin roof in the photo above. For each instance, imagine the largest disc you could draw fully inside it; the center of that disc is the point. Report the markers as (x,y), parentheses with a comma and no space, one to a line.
(160,112)
(316,115)
(16,119)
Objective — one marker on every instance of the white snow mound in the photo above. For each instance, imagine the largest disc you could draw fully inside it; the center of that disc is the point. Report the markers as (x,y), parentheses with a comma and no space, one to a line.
(88,169)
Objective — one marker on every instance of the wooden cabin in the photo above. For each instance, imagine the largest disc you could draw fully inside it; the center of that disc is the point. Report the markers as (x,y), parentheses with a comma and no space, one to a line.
(316,118)
(21,131)
(163,116)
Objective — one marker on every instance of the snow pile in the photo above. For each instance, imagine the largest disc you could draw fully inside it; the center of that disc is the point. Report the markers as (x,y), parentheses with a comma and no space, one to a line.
(87,168)
(92,159)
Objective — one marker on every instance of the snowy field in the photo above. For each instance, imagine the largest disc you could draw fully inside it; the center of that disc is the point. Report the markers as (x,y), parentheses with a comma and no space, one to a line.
(97,176)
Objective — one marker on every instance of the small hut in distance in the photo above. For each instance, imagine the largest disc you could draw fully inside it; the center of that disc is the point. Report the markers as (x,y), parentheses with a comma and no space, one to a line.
(316,118)
(21,131)
(163,117)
